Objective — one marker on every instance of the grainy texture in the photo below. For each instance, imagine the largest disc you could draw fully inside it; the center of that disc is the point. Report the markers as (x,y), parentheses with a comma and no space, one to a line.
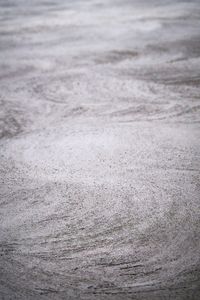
(100,158)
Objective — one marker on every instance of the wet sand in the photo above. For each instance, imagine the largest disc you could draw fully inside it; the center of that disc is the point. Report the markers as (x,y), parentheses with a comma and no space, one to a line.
(100,149)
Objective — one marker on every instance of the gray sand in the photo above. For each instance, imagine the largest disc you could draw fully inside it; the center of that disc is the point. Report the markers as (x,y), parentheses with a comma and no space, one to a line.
(100,149)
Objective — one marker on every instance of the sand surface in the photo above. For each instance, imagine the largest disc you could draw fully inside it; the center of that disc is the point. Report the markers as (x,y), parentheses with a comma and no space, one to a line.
(100,149)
